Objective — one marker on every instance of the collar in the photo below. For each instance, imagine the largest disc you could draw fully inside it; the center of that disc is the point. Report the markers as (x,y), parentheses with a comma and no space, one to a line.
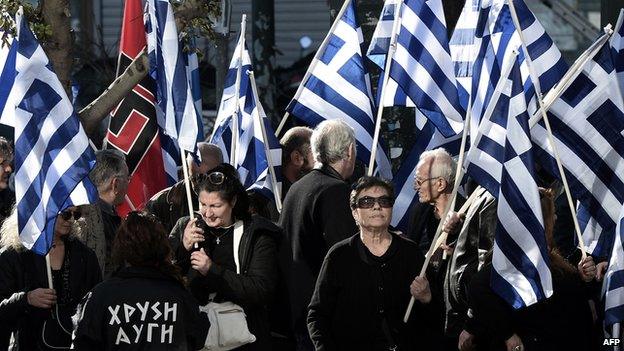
(106,207)
(330,171)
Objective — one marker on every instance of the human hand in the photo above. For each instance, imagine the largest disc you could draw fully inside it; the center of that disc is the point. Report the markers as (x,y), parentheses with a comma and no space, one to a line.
(420,289)
(41,298)
(466,341)
(200,261)
(587,269)
(453,222)
(514,343)
(192,235)
(601,269)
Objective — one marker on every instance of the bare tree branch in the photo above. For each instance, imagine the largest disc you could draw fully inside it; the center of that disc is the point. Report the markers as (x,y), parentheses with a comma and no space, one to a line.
(58,47)
(95,112)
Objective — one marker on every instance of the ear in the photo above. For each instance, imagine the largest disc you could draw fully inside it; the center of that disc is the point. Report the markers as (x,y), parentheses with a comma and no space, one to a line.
(296,158)
(351,153)
(115,184)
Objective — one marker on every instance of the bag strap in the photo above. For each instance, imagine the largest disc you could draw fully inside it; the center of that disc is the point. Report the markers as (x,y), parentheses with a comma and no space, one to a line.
(238,235)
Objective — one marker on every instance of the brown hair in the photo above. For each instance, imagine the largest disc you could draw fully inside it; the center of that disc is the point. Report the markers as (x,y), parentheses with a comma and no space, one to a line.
(141,241)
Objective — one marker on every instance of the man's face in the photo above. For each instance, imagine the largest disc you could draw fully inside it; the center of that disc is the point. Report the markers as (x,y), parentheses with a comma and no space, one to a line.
(424,183)
(6,168)
(208,163)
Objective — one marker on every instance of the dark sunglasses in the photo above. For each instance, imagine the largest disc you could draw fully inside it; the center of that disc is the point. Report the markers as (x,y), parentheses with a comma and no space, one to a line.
(369,202)
(215,178)
(67,215)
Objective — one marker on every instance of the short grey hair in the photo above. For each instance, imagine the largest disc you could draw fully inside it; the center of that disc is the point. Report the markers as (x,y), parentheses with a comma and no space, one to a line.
(331,141)
(295,139)
(207,150)
(108,164)
(442,164)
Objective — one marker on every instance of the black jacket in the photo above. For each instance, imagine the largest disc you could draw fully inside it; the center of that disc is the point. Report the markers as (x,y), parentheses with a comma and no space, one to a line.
(24,271)
(315,216)
(170,204)
(139,309)
(360,299)
(253,288)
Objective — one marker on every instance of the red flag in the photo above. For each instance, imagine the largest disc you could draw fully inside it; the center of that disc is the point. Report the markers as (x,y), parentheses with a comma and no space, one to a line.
(133,128)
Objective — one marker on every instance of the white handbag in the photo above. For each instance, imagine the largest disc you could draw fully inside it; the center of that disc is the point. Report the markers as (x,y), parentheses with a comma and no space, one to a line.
(228,323)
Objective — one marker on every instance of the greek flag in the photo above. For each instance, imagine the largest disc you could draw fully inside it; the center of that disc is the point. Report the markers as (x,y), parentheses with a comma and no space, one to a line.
(176,111)
(252,160)
(614,278)
(338,87)
(427,137)
(496,38)
(230,100)
(520,272)
(52,152)
(587,121)
(377,52)
(7,78)
(422,66)
(463,49)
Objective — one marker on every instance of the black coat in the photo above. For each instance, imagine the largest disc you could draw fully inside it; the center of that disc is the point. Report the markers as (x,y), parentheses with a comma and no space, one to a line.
(315,216)
(360,299)
(140,309)
(561,322)
(253,288)
(24,271)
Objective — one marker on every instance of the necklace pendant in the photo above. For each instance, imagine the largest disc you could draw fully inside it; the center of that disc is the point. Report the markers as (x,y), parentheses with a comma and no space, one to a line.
(218,241)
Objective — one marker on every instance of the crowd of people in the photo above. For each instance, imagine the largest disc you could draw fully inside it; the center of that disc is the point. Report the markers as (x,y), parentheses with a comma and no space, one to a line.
(327,273)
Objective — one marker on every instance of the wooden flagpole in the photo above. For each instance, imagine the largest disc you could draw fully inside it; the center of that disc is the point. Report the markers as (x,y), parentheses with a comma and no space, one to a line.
(276,191)
(241,51)
(386,76)
(538,92)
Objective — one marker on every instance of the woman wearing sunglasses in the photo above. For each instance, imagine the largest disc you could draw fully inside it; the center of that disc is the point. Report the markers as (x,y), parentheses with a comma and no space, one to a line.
(365,283)
(39,316)
(233,254)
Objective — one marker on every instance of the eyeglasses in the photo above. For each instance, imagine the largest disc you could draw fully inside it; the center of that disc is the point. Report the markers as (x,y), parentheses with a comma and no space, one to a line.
(67,215)
(420,182)
(369,202)
(215,178)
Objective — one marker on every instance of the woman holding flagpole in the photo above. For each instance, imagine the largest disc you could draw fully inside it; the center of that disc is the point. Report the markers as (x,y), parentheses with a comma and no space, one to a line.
(37,314)
(233,254)
(366,281)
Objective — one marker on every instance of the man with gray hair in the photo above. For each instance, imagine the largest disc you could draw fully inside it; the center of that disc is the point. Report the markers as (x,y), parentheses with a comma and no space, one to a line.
(100,221)
(315,216)
(170,204)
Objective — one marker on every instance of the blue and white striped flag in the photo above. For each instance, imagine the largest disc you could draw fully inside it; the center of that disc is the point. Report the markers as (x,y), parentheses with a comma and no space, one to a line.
(377,52)
(614,278)
(464,50)
(52,152)
(427,137)
(231,100)
(587,122)
(252,161)
(338,87)
(7,78)
(520,273)
(176,111)
(496,38)
(422,66)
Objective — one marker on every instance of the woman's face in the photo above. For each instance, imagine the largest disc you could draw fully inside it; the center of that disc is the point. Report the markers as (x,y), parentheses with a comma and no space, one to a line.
(215,211)
(65,221)
(376,217)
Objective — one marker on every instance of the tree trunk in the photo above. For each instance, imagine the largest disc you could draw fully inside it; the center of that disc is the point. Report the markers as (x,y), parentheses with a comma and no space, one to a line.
(59,46)
(95,112)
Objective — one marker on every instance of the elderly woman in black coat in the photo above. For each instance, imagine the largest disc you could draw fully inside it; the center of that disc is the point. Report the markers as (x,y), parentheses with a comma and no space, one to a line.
(236,254)
(367,280)
(40,317)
